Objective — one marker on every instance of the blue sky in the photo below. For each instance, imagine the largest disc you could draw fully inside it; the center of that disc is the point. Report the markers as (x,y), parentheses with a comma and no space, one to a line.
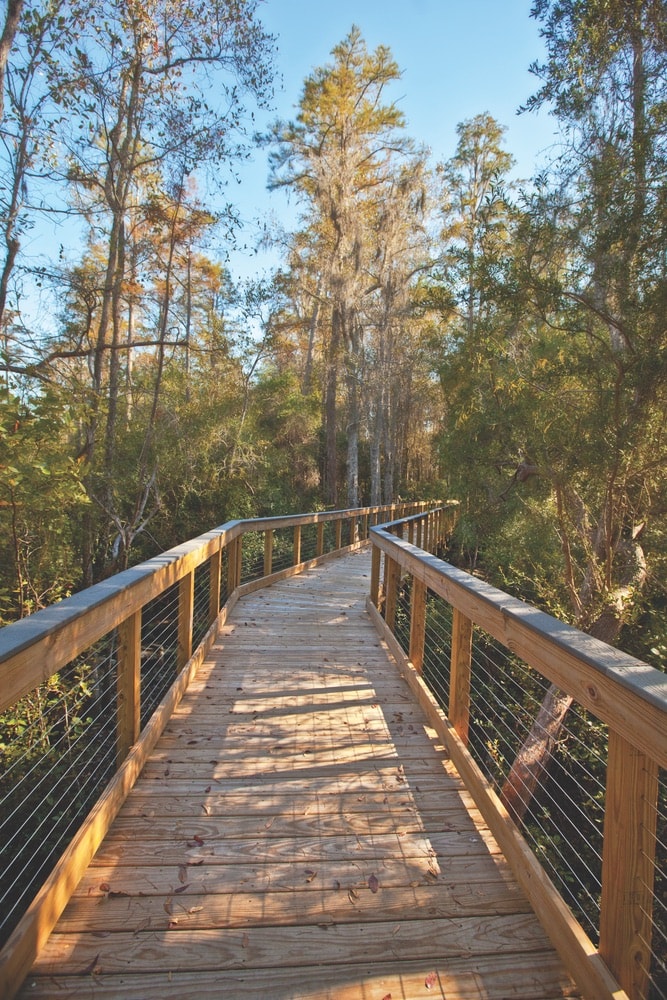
(458,58)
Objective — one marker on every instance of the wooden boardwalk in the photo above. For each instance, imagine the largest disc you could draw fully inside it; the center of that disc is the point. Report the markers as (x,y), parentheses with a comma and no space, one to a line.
(299,833)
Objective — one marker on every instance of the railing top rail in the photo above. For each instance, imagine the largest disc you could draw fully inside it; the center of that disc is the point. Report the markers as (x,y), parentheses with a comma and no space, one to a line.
(617,688)
(52,636)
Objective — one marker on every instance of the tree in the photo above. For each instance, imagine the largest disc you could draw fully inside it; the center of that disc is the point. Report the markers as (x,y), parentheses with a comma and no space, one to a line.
(339,155)
(574,385)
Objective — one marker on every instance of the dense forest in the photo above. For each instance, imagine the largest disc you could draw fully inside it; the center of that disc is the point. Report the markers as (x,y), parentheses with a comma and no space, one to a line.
(436,329)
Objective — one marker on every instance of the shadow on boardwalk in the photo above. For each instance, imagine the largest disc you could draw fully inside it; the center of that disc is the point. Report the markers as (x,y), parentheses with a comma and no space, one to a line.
(299,833)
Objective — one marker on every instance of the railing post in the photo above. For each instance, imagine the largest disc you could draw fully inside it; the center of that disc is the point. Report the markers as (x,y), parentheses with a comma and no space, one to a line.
(215,573)
(354,537)
(393,575)
(128,683)
(460,674)
(339,529)
(628,865)
(186,605)
(364,526)
(320,538)
(296,550)
(417,624)
(375,575)
(268,551)
(234,564)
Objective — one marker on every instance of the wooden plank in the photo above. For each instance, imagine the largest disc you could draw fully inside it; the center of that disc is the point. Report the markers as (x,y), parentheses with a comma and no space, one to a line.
(492,978)
(317,824)
(287,946)
(128,685)
(628,865)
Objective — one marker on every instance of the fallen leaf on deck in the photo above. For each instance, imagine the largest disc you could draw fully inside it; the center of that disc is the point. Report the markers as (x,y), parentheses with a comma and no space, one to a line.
(310,874)
(118,894)
(104,886)
(166,906)
(182,888)
(430,980)
(373,883)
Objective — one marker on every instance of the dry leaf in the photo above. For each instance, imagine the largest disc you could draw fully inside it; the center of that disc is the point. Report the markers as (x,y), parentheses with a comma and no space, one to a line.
(166,906)
(182,873)
(195,909)
(118,894)
(181,888)
(352,894)
(373,883)
(387,996)
(310,875)
(104,887)
(430,980)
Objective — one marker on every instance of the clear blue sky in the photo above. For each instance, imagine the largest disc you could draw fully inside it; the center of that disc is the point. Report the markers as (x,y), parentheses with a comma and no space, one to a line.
(458,58)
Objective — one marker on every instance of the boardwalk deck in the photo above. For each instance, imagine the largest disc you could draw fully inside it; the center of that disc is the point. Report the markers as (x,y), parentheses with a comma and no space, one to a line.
(299,832)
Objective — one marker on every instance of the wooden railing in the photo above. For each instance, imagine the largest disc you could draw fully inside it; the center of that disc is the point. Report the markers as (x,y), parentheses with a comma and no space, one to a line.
(236,557)
(629,696)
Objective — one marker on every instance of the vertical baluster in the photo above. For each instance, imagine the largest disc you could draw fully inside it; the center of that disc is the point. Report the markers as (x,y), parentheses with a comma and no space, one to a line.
(393,575)
(320,538)
(128,683)
(417,623)
(296,550)
(215,573)
(339,529)
(186,606)
(268,551)
(460,674)
(628,865)
(376,556)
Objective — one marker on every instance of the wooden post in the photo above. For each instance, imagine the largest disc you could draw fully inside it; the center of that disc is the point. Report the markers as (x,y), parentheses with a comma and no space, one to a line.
(417,624)
(268,551)
(296,551)
(186,606)
(628,865)
(460,674)
(128,685)
(364,526)
(234,564)
(376,555)
(393,575)
(320,538)
(215,573)
(411,532)
(354,537)
(339,529)
(420,533)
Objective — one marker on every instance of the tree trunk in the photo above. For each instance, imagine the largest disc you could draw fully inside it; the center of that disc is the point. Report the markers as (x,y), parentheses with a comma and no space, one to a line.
(534,756)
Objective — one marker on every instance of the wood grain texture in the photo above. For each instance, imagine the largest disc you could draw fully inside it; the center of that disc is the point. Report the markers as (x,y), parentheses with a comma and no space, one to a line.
(299,831)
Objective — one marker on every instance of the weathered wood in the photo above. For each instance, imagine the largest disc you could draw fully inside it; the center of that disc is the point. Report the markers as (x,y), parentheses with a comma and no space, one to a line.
(417,624)
(296,547)
(268,552)
(573,945)
(186,609)
(215,586)
(393,575)
(128,685)
(624,692)
(628,865)
(461,665)
(492,978)
(312,857)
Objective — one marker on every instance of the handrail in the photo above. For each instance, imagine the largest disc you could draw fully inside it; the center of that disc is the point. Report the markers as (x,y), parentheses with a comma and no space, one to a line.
(36,648)
(628,695)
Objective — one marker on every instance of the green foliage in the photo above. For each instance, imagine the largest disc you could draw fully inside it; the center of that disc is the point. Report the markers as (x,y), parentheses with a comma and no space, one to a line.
(41,500)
